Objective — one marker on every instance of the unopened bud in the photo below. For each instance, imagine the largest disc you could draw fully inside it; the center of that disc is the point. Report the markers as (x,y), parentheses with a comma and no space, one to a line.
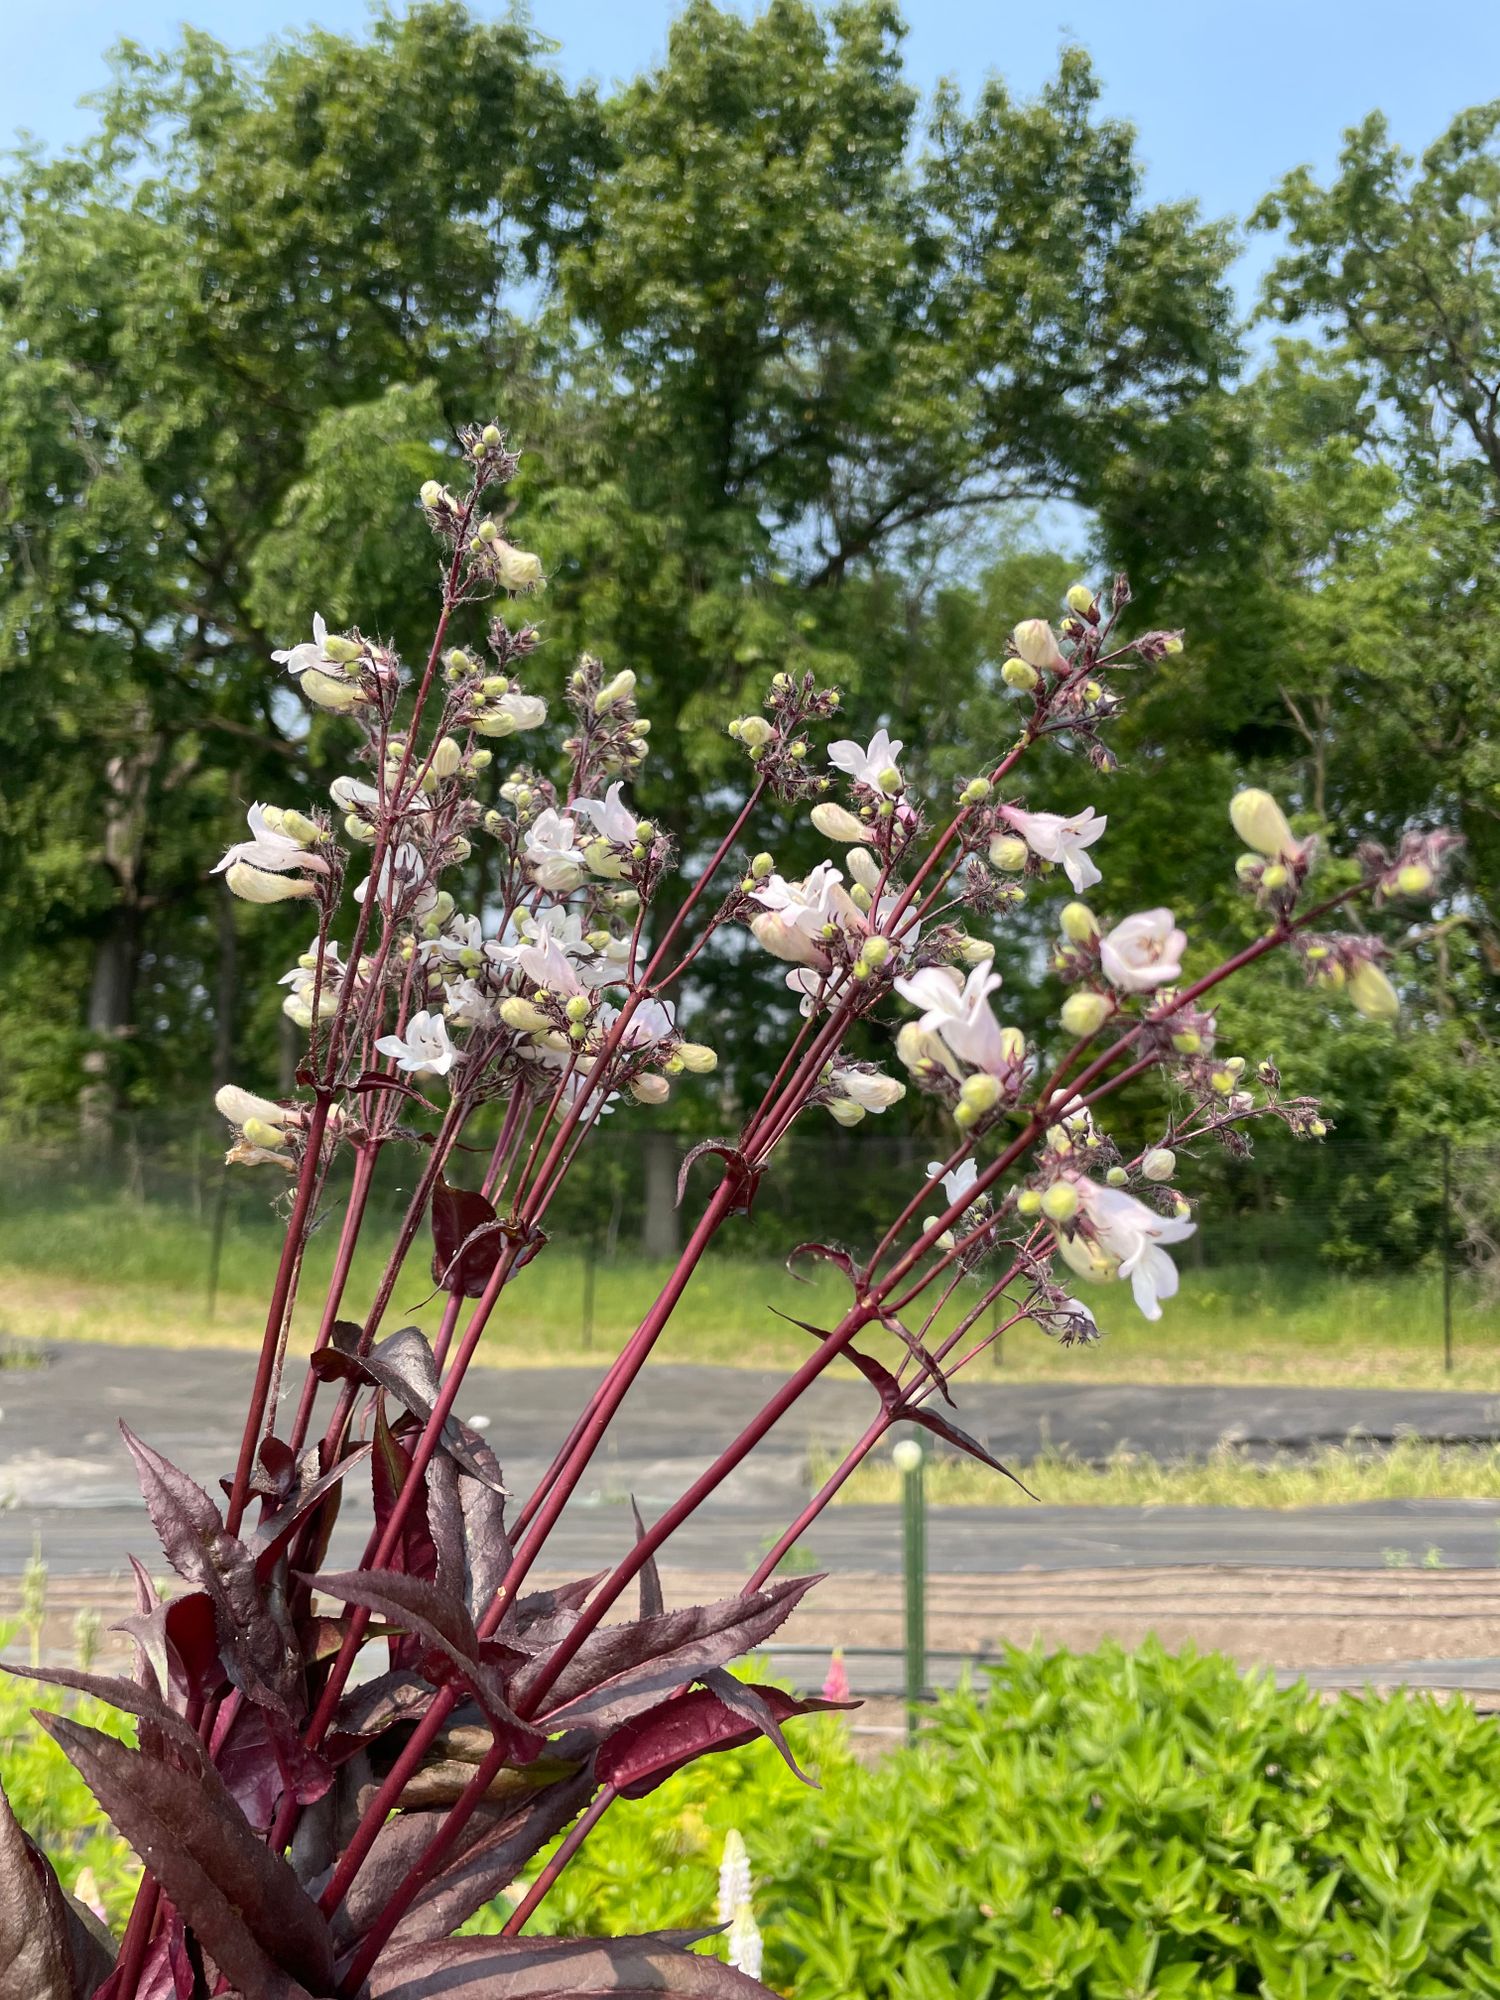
(523,1016)
(976,951)
(1008,853)
(517,569)
(845,1111)
(1414,879)
(1116,1177)
(1028,1202)
(975,792)
(762,866)
(433,493)
(344,651)
(752,730)
(1274,876)
(1060,1202)
(261,1132)
(907,1455)
(836,822)
(1084,1014)
(239,1106)
(1248,866)
(491,438)
(1078,922)
(980,1092)
(876,950)
(1261,824)
(1018,674)
(697,1058)
(1159,1164)
(614,691)
(650,1089)
(1080,599)
(1188,1042)
(447,755)
(578,1008)
(1037,644)
(1372,993)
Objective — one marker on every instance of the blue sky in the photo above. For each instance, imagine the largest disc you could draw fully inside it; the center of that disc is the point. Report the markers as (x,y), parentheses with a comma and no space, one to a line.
(1225,96)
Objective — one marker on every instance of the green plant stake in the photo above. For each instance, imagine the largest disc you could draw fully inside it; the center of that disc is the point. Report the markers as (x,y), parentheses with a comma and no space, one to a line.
(910,1458)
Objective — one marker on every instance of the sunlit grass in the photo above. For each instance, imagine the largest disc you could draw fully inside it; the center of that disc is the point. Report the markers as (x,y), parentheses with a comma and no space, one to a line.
(138,1271)
(1341,1475)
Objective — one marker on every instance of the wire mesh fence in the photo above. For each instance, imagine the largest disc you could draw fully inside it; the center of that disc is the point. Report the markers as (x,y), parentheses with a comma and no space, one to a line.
(1432,1207)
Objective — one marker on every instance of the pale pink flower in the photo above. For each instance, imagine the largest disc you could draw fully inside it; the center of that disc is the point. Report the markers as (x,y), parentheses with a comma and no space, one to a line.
(1060,838)
(1143,952)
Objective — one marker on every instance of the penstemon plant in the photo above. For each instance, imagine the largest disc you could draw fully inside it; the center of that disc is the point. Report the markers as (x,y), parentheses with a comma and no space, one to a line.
(336,1770)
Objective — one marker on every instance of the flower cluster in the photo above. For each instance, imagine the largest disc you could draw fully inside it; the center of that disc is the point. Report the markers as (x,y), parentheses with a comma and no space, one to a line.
(483,1034)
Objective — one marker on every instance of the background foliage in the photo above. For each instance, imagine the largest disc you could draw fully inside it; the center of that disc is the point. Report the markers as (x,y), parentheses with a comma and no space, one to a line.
(808,372)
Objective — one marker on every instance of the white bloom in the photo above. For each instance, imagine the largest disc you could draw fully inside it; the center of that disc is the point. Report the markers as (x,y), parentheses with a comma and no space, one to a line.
(1053,837)
(311,655)
(1143,952)
(254,885)
(746,1949)
(399,872)
(467,1006)
(960,1013)
(796,914)
(425,1046)
(552,853)
(870,765)
(871,1090)
(612,818)
(1037,645)
(504,715)
(957,1182)
(545,963)
(1126,1243)
(864,868)
(358,795)
(270,852)
(653,1021)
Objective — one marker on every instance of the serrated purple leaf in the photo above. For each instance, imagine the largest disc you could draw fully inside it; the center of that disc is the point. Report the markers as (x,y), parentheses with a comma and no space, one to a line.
(500,1968)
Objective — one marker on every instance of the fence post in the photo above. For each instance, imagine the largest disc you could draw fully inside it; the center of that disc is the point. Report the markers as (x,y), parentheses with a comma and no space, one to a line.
(1447,1255)
(910,1458)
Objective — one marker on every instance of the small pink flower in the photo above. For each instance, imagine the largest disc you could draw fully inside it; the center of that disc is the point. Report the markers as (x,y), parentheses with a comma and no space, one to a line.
(836,1680)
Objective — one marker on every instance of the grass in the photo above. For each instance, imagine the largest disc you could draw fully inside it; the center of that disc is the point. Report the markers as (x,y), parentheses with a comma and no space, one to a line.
(136,1271)
(1338,1476)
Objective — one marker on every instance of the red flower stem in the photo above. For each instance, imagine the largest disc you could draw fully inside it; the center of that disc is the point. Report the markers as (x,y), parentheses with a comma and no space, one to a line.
(567,1847)
(365,1156)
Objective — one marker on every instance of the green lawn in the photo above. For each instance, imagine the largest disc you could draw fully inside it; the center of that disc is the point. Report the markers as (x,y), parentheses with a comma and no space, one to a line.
(137,1271)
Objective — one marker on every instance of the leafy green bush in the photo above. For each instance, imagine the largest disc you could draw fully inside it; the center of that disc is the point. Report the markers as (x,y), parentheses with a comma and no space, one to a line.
(1114,1826)
(54,1804)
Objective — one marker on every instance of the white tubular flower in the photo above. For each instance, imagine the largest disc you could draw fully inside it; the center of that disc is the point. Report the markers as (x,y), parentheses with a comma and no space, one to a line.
(612,818)
(1126,1242)
(1055,837)
(552,854)
(1372,993)
(917,1047)
(505,714)
(424,1047)
(312,656)
(863,868)
(1143,952)
(1037,645)
(652,1022)
(399,872)
(959,1012)
(240,1106)
(873,764)
(958,1182)
(318,666)
(869,1089)
(467,1006)
(516,569)
(544,963)
(795,915)
(251,867)
(734,1876)
(836,822)
(1261,824)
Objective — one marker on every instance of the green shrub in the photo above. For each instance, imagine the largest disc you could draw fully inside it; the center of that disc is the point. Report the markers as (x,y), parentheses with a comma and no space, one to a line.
(1114,1826)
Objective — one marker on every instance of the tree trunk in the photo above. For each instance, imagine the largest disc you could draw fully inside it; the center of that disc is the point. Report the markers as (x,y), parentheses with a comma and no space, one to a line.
(660,1234)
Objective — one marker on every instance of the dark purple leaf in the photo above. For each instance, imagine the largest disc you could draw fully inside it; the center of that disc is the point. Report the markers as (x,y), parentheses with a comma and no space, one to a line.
(747,1702)
(643,1753)
(241,1899)
(492,1851)
(826,1253)
(500,1968)
(35,1960)
(939,1425)
(926,1361)
(621,1669)
(652,1601)
(402,1364)
(467,1239)
(257,1649)
(444,1624)
(739,1175)
(262,1758)
(180,1641)
(160,1725)
(276,1530)
(487,1548)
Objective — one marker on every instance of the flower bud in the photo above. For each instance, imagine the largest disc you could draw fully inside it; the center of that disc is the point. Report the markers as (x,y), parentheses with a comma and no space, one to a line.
(1008,853)
(1248,866)
(343,652)
(261,1132)
(975,792)
(1261,824)
(1028,1202)
(523,1016)
(1018,675)
(835,822)
(447,755)
(1084,1013)
(1188,1042)
(1078,922)
(578,1008)
(980,1092)
(1080,599)
(845,1111)
(488,532)
(1274,876)
(1037,644)
(650,1089)
(491,437)
(1117,1177)
(323,691)
(1316,1128)
(256,885)
(517,569)
(762,866)
(875,950)
(239,1106)
(1060,1202)
(1414,879)
(434,493)
(1159,1164)
(752,730)
(614,691)
(1012,1046)
(1372,993)
(976,951)
(697,1058)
